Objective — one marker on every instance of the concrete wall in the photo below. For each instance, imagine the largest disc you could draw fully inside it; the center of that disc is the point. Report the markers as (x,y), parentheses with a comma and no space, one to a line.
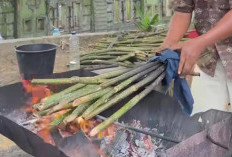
(70,15)
(9,45)
(32,18)
(7,18)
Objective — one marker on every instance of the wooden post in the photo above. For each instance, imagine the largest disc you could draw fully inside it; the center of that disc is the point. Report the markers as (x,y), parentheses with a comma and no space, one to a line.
(161,10)
(123,11)
(92,20)
(16,19)
(168,10)
(57,14)
(69,19)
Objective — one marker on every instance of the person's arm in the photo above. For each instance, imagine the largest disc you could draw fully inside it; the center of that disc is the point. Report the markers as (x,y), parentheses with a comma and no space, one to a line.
(221,31)
(179,24)
(191,50)
(178,27)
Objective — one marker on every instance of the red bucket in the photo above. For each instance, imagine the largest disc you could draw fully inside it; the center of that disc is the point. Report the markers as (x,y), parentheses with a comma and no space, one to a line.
(191,34)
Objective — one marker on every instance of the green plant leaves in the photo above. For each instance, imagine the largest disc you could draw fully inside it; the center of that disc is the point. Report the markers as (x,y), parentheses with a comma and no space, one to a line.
(139,11)
(146,22)
(154,20)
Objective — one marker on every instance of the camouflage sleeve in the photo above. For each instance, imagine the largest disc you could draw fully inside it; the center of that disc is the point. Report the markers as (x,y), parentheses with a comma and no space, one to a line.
(184,6)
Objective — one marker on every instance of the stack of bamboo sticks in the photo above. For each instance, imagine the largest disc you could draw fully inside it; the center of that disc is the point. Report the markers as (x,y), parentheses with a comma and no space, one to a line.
(89,96)
(124,50)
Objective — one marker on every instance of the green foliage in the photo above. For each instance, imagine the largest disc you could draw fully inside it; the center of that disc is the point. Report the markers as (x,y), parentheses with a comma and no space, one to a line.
(146,23)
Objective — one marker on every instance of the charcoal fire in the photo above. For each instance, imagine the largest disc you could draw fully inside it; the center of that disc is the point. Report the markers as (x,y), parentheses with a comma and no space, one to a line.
(131,143)
(74,108)
(155,111)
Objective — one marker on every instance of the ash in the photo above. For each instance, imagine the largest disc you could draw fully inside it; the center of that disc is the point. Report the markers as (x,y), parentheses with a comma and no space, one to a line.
(21,117)
(128,143)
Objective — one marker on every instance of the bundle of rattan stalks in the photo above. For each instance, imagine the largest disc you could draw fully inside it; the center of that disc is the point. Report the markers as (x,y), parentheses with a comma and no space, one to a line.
(89,96)
(126,49)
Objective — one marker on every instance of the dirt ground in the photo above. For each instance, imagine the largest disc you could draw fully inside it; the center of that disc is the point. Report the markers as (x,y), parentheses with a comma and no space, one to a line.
(14,151)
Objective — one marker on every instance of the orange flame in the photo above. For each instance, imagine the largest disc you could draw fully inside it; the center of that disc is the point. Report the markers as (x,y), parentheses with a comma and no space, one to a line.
(43,124)
(46,135)
(108,132)
(86,126)
(38,92)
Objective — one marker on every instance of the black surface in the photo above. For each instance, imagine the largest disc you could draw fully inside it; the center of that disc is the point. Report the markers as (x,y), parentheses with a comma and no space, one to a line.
(27,140)
(162,112)
(36,60)
(154,111)
(208,143)
(12,113)
(12,97)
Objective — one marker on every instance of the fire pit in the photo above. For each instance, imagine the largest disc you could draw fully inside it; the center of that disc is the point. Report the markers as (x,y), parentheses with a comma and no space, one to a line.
(156,111)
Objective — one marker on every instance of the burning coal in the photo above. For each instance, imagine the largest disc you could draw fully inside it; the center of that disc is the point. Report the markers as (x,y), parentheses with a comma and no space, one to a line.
(115,140)
(131,143)
(75,108)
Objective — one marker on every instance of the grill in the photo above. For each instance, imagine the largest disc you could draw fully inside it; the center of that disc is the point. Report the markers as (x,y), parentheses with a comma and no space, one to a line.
(204,134)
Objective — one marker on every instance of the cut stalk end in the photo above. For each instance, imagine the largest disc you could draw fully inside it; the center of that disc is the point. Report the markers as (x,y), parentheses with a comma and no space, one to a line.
(93,132)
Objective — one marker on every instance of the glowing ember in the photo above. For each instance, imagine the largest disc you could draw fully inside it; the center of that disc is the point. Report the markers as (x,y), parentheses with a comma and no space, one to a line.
(86,126)
(38,92)
(109,132)
(46,135)
(43,126)
(129,143)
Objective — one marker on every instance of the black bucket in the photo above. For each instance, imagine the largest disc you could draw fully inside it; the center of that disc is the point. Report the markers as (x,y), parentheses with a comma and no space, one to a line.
(36,60)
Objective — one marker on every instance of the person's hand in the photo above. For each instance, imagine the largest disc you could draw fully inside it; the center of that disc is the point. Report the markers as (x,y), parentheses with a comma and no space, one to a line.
(166,45)
(190,52)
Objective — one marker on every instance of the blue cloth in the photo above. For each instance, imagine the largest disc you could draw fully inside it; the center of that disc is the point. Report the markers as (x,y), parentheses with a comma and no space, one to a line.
(181,89)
